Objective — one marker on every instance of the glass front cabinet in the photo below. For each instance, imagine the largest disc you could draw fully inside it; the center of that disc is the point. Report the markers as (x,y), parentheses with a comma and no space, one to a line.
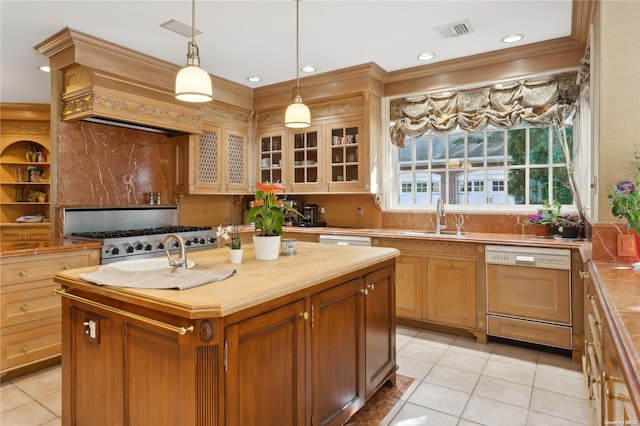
(328,157)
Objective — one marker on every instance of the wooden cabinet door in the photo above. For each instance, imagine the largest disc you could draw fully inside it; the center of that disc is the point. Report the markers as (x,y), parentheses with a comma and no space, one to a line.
(207,170)
(306,160)
(236,149)
(337,351)
(265,372)
(451,292)
(410,283)
(380,326)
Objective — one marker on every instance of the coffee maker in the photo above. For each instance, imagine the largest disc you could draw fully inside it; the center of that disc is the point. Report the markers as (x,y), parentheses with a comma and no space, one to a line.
(311,217)
(290,218)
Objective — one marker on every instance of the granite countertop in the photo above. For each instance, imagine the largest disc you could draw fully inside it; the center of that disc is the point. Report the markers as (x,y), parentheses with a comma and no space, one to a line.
(256,281)
(618,288)
(471,237)
(22,248)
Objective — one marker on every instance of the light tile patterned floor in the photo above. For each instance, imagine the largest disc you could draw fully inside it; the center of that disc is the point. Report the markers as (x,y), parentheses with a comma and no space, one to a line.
(461,382)
(457,382)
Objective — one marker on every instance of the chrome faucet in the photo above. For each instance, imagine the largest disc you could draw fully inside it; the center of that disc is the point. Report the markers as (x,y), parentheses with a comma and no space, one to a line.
(459,223)
(181,260)
(440,214)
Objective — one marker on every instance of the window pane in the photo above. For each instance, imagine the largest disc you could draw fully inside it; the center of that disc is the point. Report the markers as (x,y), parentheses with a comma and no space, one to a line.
(538,186)
(439,152)
(558,155)
(422,153)
(475,150)
(516,186)
(539,146)
(516,146)
(422,189)
(456,151)
(404,188)
(561,186)
(495,148)
(405,155)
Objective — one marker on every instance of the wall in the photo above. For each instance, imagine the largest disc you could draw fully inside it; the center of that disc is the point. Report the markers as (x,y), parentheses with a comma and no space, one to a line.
(617,59)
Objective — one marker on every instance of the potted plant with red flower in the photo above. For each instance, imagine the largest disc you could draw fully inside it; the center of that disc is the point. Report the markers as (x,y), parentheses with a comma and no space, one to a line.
(267,214)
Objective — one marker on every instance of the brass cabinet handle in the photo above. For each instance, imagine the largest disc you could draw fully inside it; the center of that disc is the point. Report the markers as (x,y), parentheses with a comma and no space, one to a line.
(23,349)
(67,266)
(450,264)
(364,291)
(371,286)
(23,307)
(23,273)
(617,396)
(584,275)
(304,315)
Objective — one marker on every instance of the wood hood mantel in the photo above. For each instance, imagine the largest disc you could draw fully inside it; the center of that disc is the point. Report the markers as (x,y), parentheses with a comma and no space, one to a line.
(103,80)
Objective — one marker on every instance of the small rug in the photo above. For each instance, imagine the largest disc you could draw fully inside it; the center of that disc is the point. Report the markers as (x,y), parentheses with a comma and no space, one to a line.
(380,403)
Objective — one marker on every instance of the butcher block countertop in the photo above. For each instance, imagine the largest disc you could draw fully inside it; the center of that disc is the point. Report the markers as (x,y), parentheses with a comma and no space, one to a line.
(256,281)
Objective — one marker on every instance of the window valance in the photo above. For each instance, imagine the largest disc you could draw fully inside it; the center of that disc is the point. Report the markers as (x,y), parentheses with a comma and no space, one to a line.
(538,102)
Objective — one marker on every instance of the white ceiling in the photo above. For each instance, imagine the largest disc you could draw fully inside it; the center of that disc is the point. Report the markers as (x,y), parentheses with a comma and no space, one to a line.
(245,38)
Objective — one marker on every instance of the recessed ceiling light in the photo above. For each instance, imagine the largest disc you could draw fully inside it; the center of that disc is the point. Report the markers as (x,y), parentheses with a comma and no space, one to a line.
(512,38)
(426,56)
(254,79)
(45,68)
(308,69)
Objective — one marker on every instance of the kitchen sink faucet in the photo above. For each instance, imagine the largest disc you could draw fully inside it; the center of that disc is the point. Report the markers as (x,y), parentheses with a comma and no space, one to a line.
(440,214)
(181,260)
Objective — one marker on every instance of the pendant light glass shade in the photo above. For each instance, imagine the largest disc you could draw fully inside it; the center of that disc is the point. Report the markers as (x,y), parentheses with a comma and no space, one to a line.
(297,115)
(193,84)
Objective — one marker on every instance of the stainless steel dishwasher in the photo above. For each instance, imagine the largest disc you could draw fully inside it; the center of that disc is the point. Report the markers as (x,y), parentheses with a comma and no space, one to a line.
(345,240)
(529,294)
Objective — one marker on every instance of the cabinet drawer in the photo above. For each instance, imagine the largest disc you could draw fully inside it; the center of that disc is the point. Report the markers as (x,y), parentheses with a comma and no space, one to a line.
(43,268)
(29,305)
(25,234)
(529,331)
(36,344)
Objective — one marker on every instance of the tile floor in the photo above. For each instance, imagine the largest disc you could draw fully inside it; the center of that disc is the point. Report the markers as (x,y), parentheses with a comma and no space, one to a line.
(457,382)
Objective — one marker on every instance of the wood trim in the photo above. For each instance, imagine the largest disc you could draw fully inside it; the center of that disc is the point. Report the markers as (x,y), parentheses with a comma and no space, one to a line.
(582,14)
(531,59)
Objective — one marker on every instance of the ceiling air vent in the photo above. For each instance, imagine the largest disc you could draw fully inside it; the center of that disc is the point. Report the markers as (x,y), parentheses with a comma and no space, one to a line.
(456,29)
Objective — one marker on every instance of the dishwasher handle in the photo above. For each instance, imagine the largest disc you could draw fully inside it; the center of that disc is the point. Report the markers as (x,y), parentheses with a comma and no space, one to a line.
(525,260)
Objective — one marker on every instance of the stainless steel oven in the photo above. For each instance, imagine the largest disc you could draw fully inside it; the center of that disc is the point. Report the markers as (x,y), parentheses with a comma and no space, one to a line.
(529,294)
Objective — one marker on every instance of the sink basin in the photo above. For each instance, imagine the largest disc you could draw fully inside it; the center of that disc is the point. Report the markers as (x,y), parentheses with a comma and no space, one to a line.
(433,234)
(141,265)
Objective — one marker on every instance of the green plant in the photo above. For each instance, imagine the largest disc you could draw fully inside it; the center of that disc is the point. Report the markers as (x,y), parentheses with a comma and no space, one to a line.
(547,215)
(569,221)
(230,233)
(267,212)
(625,199)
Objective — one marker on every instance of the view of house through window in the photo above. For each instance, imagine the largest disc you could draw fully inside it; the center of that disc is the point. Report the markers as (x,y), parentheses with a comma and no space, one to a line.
(493,167)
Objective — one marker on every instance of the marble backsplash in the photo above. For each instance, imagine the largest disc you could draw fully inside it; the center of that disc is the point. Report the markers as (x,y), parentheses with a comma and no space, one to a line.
(102,165)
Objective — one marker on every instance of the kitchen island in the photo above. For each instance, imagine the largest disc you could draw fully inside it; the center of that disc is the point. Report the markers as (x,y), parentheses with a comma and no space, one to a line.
(302,340)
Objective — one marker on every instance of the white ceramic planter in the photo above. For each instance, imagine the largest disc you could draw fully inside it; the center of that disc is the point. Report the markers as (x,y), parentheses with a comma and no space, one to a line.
(266,248)
(235,256)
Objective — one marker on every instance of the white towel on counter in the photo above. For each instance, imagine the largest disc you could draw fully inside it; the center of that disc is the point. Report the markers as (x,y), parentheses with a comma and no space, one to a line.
(176,278)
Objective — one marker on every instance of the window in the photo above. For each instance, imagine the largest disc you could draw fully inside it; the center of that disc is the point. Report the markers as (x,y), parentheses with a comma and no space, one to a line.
(494,167)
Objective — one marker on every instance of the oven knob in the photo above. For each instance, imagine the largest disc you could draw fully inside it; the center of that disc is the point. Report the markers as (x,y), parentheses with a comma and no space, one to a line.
(212,240)
(137,246)
(113,250)
(176,244)
(147,247)
(187,243)
(195,240)
(160,246)
(201,241)
(128,248)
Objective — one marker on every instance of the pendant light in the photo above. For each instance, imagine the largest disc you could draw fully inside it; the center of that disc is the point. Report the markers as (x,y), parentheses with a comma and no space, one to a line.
(193,84)
(297,115)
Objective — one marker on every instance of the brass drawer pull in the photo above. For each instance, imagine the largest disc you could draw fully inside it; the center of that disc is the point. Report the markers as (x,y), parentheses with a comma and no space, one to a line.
(23,307)
(23,349)
(23,273)
(364,291)
(371,287)
(179,330)
(67,266)
(617,396)
(584,275)
(304,315)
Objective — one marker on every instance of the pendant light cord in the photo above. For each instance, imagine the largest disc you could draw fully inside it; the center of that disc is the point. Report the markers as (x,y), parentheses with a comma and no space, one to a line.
(298,44)
(193,21)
